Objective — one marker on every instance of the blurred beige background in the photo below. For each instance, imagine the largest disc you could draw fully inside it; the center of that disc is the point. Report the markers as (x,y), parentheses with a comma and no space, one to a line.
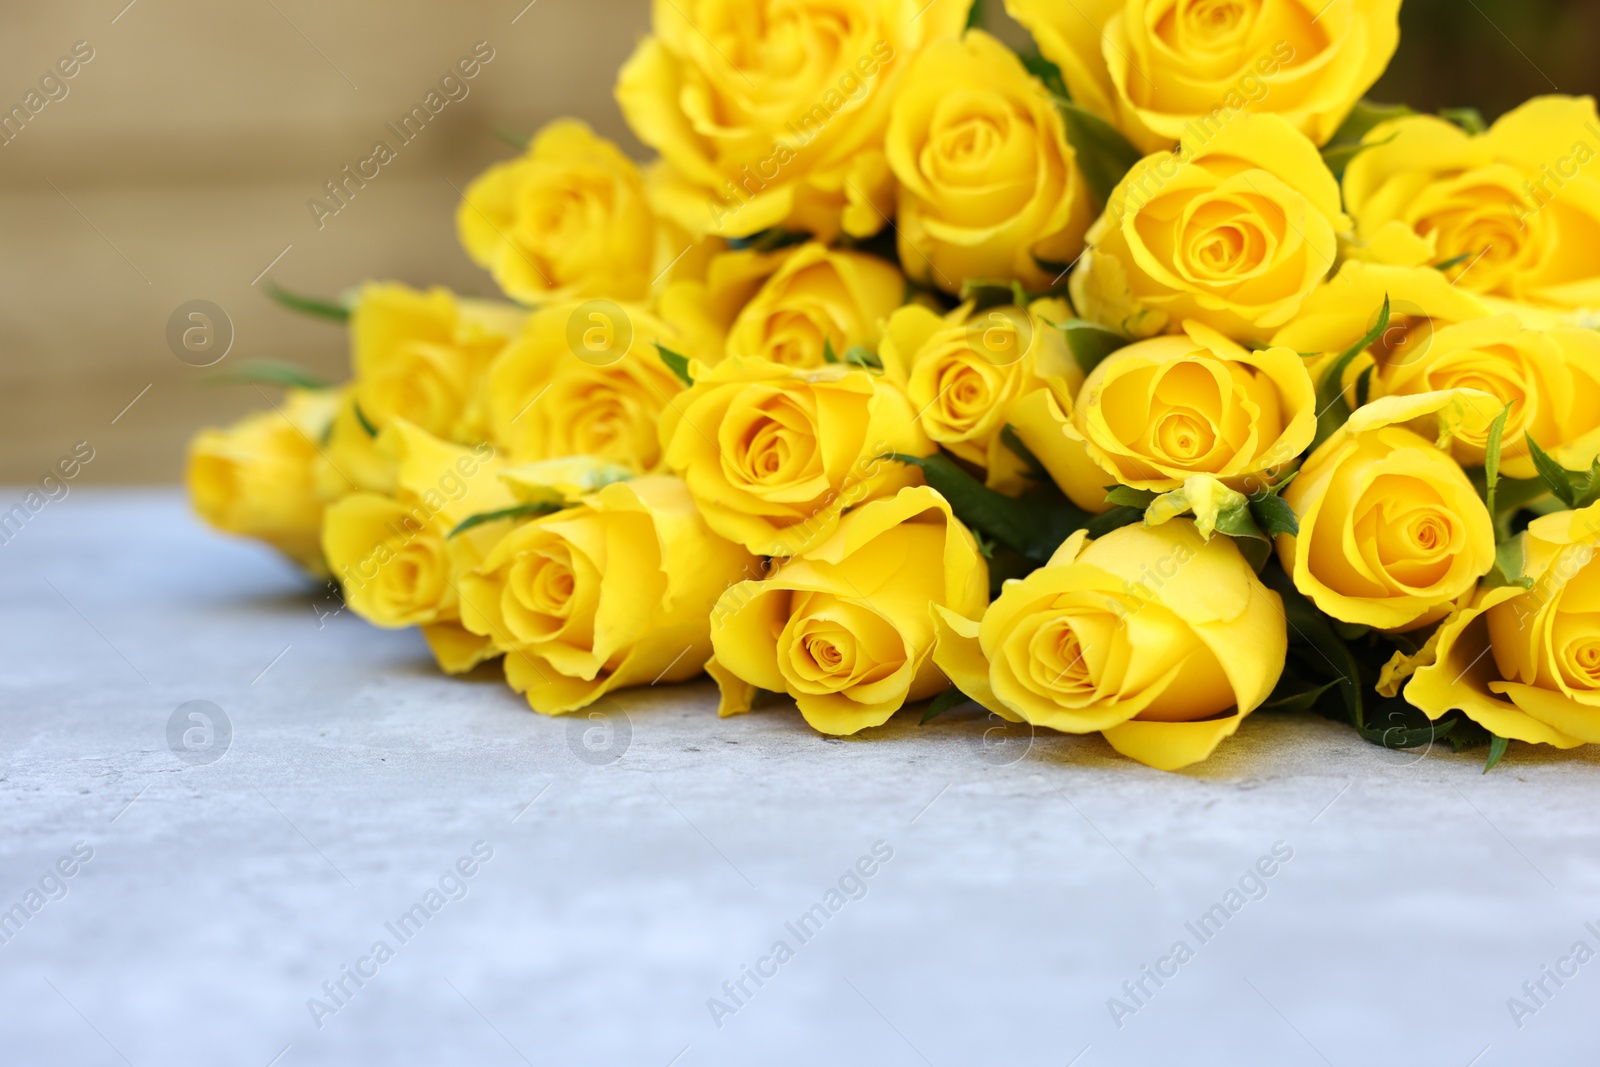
(179,164)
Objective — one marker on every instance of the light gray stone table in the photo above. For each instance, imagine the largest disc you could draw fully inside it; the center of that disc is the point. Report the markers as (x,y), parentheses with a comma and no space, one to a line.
(1027,882)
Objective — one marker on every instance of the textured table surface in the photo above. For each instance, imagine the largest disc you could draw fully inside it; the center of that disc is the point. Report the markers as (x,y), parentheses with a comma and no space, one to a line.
(637,864)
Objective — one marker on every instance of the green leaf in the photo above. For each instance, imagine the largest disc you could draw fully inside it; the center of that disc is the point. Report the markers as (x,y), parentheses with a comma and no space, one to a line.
(1047,72)
(1453,261)
(268,372)
(828,354)
(324,309)
(1346,142)
(1511,496)
(1339,157)
(1332,408)
(1033,525)
(1238,522)
(1311,629)
(862,356)
(1104,155)
(1491,456)
(1556,478)
(512,137)
(361,417)
(1364,385)
(1497,750)
(1115,519)
(1349,631)
(987,293)
(516,511)
(1009,438)
(976,15)
(1468,118)
(1256,551)
(1128,497)
(1466,733)
(1509,564)
(1365,117)
(770,240)
(1302,701)
(1274,515)
(1090,342)
(679,364)
(942,703)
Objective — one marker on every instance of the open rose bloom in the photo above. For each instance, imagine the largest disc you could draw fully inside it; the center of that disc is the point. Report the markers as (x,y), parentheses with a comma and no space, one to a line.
(1525,663)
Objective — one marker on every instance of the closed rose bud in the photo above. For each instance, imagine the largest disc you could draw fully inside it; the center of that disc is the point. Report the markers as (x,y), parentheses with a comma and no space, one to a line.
(844,627)
(1234,230)
(1153,635)
(1159,411)
(394,555)
(258,478)
(422,356)
(1523,663)
(614,592)
(816,299)
(774,455)
(964,371)
(775,118)
(1155,69)
(989,186)
(567,219)
(1440,337)
(1391,531)
(584,379)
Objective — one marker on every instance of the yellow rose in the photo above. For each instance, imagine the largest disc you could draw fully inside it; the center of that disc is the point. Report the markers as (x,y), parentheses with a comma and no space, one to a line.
(1441,338)
(819,297)
(584,379)
(421,357)
(1233,230)
(569,218)
(1391,530)
(989,185)
(1525,664)
(1153,67)
(394,554)
(771,113)
(258,477)
(612,593)
(1160,639)
(349,457)
(1515,211)
(964,371)
(844,627)
(773,455)
(1159,411)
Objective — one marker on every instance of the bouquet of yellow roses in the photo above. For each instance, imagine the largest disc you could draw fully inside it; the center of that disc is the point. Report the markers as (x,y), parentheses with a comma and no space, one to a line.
(1127,385)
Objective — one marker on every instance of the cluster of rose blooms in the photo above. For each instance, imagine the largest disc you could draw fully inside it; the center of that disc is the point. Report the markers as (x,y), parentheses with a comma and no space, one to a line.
(1123,387)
